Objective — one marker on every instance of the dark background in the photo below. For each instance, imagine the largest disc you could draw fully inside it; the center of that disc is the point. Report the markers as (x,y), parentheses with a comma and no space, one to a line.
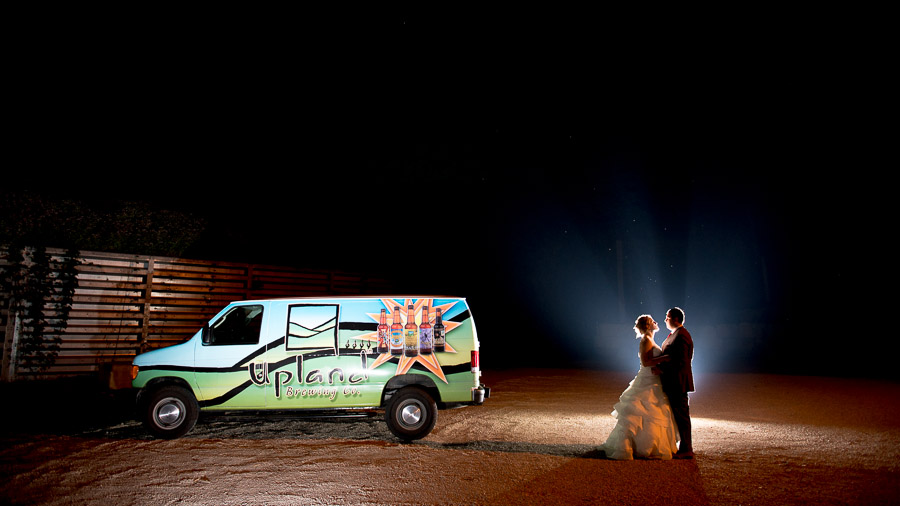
(564,174)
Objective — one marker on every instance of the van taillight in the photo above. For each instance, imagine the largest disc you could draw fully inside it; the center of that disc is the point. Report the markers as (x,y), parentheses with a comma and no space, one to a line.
(474,360)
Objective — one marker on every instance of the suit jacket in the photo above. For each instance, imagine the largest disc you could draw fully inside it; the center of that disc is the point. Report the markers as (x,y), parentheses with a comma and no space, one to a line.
(676,373)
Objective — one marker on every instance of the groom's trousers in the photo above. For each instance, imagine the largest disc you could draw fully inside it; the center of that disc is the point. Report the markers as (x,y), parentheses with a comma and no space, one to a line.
(681,411)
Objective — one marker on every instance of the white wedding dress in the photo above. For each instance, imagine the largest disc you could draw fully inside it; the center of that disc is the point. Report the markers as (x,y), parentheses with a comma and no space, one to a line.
(644,427)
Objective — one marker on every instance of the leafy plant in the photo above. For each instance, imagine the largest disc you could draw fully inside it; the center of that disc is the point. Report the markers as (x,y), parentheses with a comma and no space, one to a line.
(40,292)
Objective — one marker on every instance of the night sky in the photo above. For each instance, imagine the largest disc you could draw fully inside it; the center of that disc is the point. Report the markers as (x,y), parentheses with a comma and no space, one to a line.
(563,188)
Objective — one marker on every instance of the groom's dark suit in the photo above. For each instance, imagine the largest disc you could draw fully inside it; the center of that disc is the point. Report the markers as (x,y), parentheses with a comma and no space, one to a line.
(677,380)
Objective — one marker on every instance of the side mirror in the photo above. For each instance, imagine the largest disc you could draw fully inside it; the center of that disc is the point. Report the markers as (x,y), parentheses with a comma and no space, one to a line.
(206,334)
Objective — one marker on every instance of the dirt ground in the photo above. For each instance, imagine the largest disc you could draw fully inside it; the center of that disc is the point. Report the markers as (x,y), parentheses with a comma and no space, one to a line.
(760,439)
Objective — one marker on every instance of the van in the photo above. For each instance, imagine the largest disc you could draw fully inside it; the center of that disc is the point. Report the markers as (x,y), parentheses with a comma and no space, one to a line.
(406,355)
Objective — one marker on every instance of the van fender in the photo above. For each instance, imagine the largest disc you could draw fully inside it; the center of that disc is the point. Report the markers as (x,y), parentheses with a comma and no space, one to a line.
(409,380)
(160,382)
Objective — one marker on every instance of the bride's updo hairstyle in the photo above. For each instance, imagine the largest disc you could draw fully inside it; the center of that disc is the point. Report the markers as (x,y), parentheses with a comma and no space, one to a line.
(641,325)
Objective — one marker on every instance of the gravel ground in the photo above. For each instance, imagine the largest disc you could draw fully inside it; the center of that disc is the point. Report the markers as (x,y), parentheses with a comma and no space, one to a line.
(760,439)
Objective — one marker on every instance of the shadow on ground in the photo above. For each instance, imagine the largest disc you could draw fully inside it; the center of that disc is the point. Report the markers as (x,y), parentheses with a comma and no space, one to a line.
(83,408)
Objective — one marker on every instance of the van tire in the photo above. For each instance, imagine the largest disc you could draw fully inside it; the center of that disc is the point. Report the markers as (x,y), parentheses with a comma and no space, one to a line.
(411,414)
(169,412)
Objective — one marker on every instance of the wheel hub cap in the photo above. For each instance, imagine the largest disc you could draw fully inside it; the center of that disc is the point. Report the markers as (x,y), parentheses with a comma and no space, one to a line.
(411,414)
(169,413)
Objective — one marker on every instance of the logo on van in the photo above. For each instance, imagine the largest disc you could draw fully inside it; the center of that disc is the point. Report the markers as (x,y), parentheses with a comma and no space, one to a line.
(317,378)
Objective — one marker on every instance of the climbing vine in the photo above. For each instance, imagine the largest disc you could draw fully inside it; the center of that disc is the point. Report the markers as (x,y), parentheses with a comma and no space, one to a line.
(40,291)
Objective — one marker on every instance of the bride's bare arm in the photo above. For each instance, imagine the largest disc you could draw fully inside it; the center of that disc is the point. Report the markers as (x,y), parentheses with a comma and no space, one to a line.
(647,358)
(650,361)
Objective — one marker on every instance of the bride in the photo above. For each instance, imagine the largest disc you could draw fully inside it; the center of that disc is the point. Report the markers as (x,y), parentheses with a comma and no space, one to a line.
(644,427)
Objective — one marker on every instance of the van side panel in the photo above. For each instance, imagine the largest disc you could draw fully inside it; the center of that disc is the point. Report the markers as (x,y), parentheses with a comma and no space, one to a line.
(322,353)
(323,366)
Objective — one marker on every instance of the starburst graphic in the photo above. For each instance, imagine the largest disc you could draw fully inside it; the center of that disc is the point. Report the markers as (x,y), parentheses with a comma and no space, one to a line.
(404,363)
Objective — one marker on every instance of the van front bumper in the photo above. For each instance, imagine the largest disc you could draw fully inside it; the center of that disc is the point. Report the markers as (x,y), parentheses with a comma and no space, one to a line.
(480,393)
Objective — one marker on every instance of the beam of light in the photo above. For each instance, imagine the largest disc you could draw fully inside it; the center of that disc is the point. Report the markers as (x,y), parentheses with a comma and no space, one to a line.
(559,281)
(582,270)
(726,286)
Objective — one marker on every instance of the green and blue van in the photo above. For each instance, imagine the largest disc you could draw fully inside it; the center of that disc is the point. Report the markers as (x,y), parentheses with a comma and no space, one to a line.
(409,356)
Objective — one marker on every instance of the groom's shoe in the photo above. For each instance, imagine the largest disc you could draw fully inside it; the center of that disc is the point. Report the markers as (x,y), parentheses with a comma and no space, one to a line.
(683,455)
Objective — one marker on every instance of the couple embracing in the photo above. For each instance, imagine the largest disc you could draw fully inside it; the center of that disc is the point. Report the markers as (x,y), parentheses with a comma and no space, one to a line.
(652,413)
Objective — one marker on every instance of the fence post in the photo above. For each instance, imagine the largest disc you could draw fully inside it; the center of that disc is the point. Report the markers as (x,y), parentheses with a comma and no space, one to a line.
(10,348)
(249,286)
(148,299)
(7,344)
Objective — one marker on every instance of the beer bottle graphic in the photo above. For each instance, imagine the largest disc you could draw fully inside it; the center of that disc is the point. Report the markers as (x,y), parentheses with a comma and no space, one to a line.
(426,343)
(411,332)
(383,334)
(439,338)
(396,333)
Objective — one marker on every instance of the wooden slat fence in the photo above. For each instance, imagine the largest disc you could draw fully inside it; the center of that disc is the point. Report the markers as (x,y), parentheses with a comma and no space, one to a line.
(125,304)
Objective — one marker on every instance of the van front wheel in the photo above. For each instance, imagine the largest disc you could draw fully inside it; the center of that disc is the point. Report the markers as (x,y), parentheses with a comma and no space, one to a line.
(411,414)
(170,412)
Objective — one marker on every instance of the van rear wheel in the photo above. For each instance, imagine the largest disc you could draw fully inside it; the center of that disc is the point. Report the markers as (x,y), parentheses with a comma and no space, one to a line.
(170,412)
(411,414)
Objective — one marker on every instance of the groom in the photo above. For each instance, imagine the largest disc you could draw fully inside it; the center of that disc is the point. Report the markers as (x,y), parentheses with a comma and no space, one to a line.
(677,378)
